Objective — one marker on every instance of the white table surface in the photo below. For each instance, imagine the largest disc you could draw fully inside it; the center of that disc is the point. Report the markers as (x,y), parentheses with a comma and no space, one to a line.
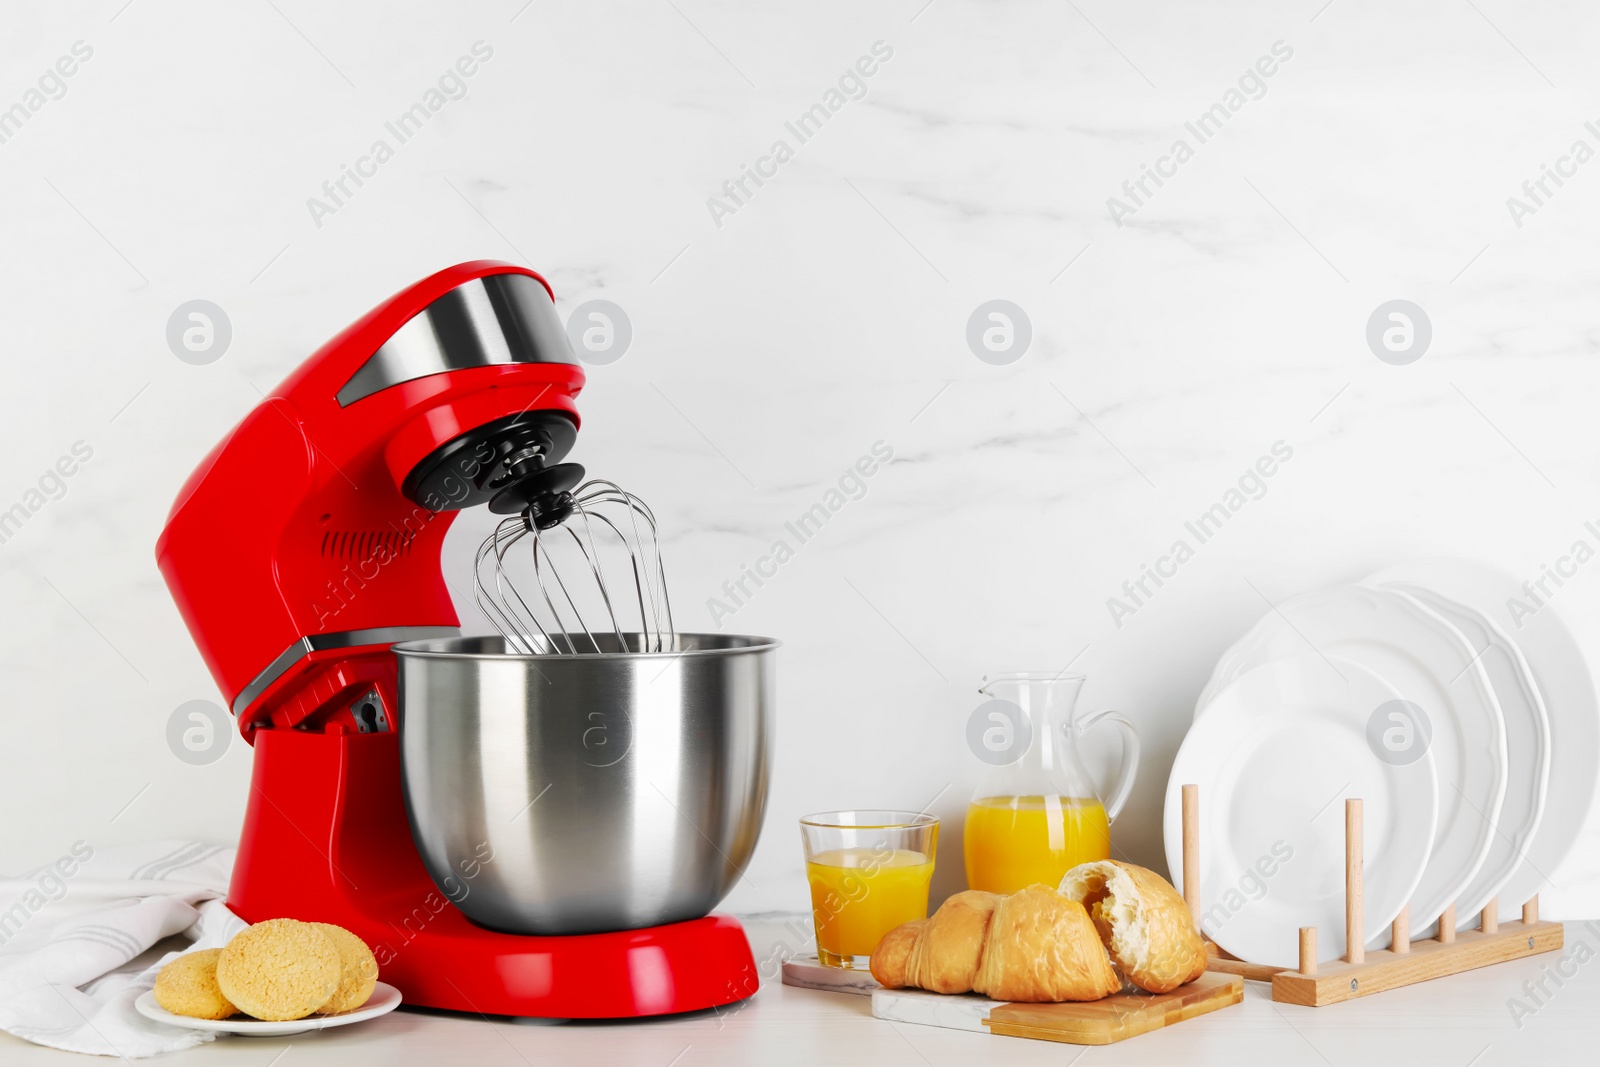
(1454,1021)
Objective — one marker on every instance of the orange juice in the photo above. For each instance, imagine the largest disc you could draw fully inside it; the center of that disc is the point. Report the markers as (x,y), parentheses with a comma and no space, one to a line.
(1013,842)
(860,894)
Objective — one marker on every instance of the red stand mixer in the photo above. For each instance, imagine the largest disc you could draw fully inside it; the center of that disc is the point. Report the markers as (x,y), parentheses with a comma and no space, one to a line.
(336,492)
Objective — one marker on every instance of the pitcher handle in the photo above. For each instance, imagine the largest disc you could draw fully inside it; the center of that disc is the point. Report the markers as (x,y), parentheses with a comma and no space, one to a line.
(1130,755)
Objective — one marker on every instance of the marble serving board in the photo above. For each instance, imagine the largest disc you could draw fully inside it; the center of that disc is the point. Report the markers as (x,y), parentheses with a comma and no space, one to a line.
(809,972)
(1098,1022)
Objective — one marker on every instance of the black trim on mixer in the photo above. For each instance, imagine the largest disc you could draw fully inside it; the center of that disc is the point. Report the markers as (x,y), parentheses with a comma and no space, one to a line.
(471,469)
(544,496)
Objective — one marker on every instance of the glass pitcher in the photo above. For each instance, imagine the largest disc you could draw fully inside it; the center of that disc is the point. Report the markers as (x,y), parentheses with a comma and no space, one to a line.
(1038,816)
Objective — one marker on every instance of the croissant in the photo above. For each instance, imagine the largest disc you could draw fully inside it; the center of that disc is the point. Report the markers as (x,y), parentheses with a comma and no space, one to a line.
(1035,946)
(1144,923)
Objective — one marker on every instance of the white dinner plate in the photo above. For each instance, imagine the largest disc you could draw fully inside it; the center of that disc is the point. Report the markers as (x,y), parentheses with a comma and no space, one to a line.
(385,998)
(1431,665)
(1527,750)
(1274,756)
(1562,674)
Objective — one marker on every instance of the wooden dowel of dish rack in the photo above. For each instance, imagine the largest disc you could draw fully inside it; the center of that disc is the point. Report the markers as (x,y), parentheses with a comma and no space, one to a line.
(1530,910)
(1447,926)
(1400,932)
(1308,950)
(1191,851)
(1489,919)
(1355,950)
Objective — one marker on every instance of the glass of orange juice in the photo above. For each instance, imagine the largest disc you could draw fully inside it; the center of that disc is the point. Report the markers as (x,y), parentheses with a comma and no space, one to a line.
(869,872)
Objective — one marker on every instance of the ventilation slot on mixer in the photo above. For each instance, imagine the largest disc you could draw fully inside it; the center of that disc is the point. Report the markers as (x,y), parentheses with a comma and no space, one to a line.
(360,545)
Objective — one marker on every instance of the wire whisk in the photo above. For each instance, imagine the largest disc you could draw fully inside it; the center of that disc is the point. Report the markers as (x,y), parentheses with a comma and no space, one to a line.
(567,611)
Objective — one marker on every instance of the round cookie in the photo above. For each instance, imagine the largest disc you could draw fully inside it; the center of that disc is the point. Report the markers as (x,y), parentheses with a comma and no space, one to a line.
(188,986)
(279,970)
(358,970)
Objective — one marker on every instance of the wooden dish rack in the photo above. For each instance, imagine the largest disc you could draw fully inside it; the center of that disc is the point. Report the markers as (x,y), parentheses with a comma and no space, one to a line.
(1359,973)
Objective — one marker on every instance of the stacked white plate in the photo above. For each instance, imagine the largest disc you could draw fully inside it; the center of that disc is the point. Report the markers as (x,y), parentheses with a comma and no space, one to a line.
(1466,724)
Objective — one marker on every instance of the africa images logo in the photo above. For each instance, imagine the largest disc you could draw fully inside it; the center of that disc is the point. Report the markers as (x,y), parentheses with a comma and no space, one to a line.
(1252,485)
(50,85)
(852,85)
(1251,85)
(451,85)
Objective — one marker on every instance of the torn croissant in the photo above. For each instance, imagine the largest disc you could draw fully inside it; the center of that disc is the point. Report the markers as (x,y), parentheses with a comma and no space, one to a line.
(1034,946)
(1144,923)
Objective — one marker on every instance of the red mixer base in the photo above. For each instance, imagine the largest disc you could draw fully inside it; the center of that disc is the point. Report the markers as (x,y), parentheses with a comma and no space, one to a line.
(326,840)
(703,963)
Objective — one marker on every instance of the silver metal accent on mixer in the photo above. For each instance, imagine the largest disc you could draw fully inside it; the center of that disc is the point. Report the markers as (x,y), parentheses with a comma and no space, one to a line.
(304,646)
(502,318)
(563,794)
(571,604)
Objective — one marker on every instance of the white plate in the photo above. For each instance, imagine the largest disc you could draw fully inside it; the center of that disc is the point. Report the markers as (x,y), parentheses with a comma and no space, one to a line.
(385,998)
(1431,665)
(1527,750)
(1274,755)
(1562,674)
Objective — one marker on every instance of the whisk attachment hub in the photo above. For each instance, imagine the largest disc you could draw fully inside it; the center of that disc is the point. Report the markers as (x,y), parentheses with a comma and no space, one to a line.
(476,465)
(543,495)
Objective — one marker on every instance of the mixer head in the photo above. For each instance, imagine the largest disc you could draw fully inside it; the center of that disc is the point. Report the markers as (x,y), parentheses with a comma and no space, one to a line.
(458,391)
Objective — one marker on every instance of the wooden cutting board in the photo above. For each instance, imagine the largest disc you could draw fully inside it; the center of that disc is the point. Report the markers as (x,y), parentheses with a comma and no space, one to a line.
(1099,1022)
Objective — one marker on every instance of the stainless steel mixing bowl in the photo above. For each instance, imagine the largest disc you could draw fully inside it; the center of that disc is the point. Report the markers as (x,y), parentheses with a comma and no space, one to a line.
(562,794)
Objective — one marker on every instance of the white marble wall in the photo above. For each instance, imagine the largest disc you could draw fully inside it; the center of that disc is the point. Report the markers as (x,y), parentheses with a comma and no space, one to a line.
(775,344)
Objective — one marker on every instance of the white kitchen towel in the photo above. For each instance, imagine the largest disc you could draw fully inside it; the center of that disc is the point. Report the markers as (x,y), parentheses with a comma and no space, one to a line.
(76,939)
